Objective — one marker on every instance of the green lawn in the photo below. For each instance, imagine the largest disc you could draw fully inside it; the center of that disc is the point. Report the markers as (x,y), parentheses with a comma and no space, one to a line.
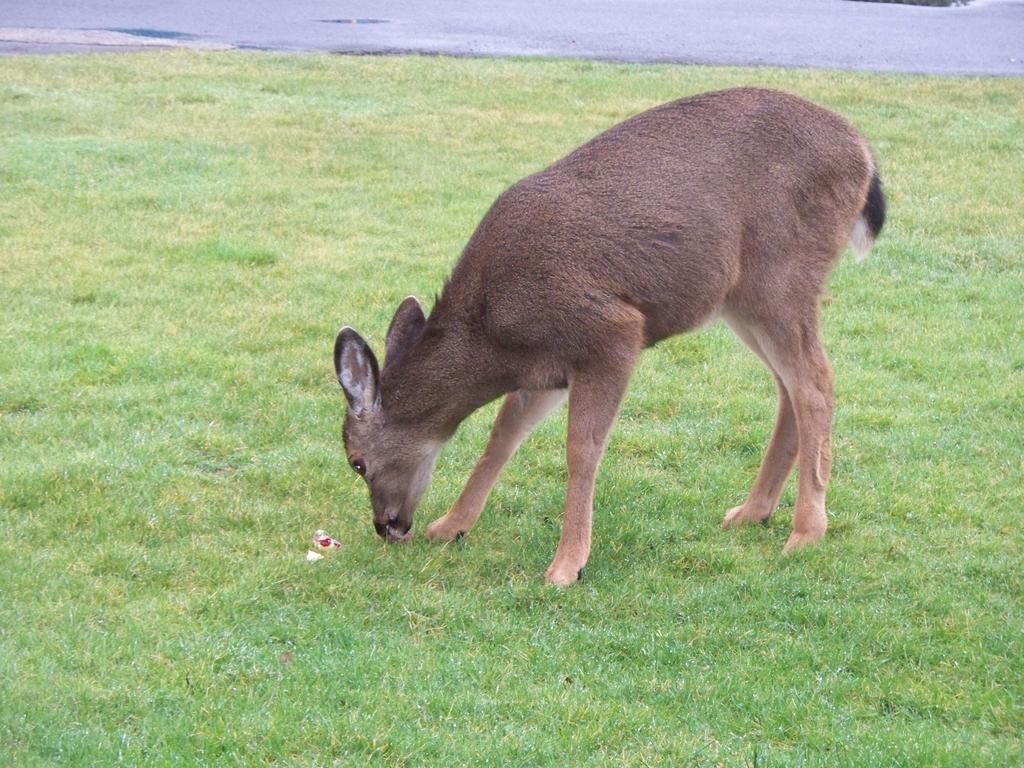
(181,235)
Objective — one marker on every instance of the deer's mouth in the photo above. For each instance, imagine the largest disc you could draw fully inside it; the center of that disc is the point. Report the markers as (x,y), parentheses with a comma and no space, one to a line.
(395,533)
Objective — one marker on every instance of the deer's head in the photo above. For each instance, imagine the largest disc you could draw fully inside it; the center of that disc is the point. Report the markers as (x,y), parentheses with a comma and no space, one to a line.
(395,456)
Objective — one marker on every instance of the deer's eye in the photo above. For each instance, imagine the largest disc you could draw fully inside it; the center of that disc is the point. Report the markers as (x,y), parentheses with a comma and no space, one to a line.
(359,466)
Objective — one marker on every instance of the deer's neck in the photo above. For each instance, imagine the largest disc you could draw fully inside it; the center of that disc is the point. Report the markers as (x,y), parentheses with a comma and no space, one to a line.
(448,374)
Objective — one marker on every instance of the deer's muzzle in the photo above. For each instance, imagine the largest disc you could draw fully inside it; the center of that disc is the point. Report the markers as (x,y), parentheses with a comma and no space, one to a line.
(393,530)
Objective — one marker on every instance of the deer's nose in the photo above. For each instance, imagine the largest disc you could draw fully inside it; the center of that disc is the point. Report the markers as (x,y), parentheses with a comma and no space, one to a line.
(384,521)
(399,532)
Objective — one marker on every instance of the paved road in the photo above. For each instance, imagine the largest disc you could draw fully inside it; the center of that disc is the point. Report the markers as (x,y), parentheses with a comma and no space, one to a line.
(986,37)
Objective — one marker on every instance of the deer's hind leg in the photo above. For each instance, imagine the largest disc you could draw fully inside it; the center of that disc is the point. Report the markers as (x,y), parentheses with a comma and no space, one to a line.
(791,346)
(808,377)
(520,413)
(782,449)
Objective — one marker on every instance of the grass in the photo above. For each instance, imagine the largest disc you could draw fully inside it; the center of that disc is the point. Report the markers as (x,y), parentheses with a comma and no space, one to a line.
(180,237)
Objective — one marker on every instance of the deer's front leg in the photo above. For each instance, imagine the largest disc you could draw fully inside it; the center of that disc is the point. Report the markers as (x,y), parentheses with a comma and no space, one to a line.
(520,413)
(594,398)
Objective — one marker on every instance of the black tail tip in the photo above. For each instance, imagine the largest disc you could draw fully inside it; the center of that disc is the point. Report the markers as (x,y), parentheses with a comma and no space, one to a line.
(874,208)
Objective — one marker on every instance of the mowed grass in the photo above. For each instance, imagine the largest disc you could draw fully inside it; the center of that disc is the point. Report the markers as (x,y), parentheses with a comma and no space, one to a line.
(181,235)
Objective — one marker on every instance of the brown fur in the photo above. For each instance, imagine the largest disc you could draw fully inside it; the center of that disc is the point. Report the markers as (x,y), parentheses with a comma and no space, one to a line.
(734,204)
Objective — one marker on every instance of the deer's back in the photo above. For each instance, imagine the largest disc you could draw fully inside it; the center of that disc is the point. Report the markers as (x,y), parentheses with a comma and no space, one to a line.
(670,212)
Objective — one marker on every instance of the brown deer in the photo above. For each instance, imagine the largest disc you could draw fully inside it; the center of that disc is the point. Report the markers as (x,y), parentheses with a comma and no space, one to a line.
(734,204)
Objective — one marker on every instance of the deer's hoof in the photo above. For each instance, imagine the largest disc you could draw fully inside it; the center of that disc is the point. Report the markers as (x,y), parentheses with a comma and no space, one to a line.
(803,539)
(562,575)
(443,529)
(743,514)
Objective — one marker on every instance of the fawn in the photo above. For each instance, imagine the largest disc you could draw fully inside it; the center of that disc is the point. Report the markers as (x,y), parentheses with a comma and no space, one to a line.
(734,204)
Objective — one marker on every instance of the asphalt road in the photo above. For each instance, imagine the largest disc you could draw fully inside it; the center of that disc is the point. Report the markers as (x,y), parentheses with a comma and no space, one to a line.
(984,38)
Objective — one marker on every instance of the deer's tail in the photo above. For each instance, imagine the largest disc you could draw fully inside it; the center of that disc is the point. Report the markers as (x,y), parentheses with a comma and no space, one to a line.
(870,221)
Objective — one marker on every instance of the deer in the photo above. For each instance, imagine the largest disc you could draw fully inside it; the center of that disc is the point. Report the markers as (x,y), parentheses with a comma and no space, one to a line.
(731,205)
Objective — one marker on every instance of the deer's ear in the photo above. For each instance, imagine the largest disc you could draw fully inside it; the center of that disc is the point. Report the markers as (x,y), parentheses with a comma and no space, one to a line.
(405,329)
(357,371)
